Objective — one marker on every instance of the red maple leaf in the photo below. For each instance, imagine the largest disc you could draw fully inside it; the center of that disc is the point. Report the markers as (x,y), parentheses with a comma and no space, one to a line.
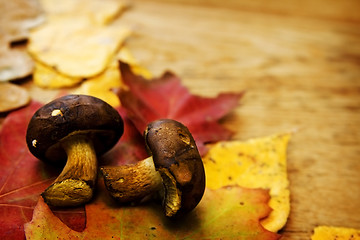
(131,147)
(23,178)
(165,97)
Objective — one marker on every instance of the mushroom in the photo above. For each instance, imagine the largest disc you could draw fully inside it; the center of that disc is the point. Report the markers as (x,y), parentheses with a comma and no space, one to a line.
(74,129)
(175,170)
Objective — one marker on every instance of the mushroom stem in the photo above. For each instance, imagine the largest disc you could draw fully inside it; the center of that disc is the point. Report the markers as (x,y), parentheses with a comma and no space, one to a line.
(141,181)
(132,182)
(74,186)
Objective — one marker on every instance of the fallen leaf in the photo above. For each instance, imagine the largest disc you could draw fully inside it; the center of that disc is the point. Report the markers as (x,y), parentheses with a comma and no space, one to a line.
(74,47)
(12,97)
(125,55)
(17,17)
(15,63)
(47,77)
(226,213)
(100,86)
(256,163)
(131,147)
(110,79)
(23,178)
(97,12)
(165,97)
(77,43)
(335,233)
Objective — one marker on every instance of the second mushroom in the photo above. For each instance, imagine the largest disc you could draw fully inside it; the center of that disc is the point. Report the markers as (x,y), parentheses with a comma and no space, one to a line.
(174,171)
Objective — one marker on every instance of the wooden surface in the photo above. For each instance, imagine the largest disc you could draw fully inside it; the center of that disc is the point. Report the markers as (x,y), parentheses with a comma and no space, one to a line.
(300,66)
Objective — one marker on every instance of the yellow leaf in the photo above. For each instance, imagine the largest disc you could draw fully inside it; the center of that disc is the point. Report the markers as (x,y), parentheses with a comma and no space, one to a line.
(48,77)
(97,12)
(338,233)
(74,47)
(12,97)
(126,56)
(15,63)
(257,163)
(101,86)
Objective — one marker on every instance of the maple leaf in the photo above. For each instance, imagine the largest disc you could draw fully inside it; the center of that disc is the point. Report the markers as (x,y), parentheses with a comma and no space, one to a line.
(130,148)
(165,97)
(237,218)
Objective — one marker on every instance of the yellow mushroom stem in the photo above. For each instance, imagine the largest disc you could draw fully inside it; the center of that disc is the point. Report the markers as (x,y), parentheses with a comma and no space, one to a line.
(141,181)
(132,182)
(74,186)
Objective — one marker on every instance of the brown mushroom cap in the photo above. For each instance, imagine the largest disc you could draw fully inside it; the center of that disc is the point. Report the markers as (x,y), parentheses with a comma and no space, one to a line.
(177,159)
(70,115)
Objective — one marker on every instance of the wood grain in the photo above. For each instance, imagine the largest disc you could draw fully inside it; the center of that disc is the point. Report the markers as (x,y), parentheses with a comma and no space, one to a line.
(300,66)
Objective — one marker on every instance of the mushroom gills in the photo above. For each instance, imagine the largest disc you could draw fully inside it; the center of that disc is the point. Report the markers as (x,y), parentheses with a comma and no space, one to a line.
(172,194)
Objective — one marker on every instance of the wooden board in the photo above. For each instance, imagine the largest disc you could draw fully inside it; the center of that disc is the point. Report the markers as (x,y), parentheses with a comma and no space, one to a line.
(300,66)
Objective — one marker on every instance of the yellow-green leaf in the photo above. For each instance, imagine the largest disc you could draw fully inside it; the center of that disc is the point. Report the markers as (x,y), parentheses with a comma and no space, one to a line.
(256,163)
(225,213)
